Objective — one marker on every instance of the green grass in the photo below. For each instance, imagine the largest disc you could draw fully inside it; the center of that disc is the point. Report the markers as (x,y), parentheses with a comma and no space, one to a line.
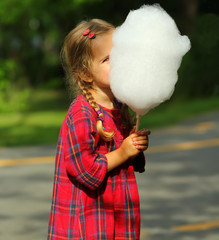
(37,126)
(41,124)
(175,111)
(30,128)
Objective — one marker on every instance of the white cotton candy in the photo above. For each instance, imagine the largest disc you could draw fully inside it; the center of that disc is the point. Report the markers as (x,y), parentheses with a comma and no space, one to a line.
(146,54)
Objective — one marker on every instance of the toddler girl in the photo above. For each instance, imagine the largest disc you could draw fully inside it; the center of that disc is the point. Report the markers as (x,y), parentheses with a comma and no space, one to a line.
(95,196)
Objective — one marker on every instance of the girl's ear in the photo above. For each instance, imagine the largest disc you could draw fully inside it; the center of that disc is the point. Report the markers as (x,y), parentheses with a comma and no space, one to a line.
(85,76)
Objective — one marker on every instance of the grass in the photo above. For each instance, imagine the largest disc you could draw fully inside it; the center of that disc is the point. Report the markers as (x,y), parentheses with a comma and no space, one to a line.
(175,111)
(41,124)
(37,126)
(18,129)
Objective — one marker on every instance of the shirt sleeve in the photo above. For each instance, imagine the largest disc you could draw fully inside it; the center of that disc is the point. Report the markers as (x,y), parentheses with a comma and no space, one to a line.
(82,160)
(139,163)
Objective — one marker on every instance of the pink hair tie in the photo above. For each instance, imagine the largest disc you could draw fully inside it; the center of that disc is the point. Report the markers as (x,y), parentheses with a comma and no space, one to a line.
(98,115)
(88,33)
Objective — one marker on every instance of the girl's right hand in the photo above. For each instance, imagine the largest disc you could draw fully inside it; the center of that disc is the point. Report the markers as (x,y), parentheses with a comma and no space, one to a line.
(135,143)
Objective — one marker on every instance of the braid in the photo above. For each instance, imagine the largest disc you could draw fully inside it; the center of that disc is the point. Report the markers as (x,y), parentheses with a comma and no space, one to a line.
(107,136)
(76,56)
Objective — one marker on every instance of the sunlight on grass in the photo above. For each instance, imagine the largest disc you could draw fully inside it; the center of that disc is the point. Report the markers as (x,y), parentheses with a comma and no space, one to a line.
(42,124)
(45,118)
(50,118)
(30,128)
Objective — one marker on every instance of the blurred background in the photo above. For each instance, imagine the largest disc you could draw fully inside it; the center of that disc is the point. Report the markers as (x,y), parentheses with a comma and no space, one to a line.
(33,97)
(179,191)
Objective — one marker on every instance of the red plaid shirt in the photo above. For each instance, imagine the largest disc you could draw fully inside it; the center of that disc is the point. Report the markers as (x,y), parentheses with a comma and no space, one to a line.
(89,203)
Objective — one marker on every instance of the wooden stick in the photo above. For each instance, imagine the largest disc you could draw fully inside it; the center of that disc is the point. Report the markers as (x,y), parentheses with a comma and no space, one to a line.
(137,122)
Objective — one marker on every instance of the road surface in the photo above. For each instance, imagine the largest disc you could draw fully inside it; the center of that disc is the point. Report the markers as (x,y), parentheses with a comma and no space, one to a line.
(179,192)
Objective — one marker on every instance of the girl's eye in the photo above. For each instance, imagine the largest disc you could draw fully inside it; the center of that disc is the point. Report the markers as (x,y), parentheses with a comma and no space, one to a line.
(105,60)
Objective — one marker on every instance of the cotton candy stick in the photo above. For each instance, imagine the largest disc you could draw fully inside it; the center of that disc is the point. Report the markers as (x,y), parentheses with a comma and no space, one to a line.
(138,117)
(147,52)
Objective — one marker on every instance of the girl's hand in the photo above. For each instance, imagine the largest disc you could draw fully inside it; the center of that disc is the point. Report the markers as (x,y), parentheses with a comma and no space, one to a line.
(131,146)
(141,141)
(135,143)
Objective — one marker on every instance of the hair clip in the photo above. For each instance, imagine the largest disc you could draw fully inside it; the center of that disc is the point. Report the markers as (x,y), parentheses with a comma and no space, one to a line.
(98,115)
(88,33)
(91,35)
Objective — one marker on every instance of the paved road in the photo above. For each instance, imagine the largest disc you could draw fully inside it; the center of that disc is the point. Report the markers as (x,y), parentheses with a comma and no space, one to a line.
(179,191)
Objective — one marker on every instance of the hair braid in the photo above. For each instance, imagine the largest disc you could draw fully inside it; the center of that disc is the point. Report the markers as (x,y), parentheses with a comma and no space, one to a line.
(76,56)
(107,136)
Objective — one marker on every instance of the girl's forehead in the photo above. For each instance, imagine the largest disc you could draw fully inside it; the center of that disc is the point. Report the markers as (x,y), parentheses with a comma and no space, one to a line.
(102,45)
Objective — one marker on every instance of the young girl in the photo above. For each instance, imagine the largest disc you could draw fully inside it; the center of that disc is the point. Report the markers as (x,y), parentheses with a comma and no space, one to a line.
(95,195)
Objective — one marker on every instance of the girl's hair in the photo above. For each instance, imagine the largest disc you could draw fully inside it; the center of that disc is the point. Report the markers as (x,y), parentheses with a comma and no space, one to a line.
(76,56)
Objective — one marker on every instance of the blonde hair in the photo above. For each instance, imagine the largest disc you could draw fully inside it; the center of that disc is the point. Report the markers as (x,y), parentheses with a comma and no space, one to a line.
(76,56)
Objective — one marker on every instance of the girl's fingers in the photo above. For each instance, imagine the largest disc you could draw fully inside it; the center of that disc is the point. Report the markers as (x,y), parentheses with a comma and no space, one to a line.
(141,147)
(142,142)
(144,132)
(139,138)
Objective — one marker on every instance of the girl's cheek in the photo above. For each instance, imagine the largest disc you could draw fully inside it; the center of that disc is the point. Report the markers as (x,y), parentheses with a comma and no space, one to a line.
(107,71)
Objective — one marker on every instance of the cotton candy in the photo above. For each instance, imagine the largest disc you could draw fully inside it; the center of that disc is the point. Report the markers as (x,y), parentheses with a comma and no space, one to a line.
(147,52)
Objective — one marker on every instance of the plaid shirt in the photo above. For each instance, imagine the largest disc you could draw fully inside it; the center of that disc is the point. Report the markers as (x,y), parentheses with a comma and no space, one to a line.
(89,203)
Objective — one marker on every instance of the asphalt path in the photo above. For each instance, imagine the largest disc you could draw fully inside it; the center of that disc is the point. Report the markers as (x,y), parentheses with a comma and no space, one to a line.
(179,192)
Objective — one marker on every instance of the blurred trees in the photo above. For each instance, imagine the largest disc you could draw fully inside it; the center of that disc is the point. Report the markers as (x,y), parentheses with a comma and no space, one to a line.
(199,75)
(32,32)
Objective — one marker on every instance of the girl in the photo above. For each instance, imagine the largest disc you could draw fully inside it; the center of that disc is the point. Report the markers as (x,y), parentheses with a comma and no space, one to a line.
(95,194)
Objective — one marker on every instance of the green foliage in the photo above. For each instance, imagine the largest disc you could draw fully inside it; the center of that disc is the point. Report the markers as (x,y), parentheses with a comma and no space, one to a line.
(12,97)
(199,72)
(12,11)
(31,37)
(32,33)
